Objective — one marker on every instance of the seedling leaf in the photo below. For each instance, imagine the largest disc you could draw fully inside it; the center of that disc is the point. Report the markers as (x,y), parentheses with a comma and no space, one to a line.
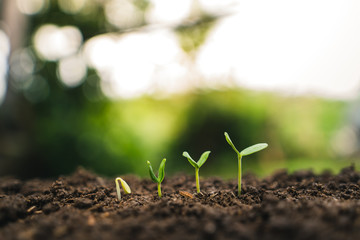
(253,149)
(231,143)
(203,158)
(152,174)
(124,185)
(197,166)
(191,161)
(161,173)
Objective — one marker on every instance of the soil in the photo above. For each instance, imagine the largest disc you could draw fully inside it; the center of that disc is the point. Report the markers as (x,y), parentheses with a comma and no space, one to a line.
(301,205)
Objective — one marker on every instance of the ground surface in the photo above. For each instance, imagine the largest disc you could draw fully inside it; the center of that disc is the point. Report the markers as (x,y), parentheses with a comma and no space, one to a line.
(84,206)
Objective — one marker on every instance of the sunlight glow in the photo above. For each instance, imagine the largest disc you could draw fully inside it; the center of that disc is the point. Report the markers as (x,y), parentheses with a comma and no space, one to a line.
(289,47)
(128,64)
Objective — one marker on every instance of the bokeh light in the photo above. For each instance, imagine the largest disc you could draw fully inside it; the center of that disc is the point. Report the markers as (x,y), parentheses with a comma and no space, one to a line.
(52,42)
(122,14)
(168,12)
(22,66)
(72,70)
(132,64)
(31,7)
(218,7)
(4,54)
(71,6)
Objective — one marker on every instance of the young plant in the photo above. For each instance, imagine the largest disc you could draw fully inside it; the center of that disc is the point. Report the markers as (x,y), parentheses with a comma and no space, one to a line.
(247,151)
(124,185)
(161,174)
(197,166)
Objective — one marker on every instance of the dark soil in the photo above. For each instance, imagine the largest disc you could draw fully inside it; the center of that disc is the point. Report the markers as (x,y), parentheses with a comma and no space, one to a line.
(84,206)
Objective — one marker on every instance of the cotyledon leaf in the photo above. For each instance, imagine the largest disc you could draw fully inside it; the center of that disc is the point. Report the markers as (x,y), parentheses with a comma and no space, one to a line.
(152,174)
(203,158)
(191,161)
(253,149)
(230,142)
(161,173)
(124,185)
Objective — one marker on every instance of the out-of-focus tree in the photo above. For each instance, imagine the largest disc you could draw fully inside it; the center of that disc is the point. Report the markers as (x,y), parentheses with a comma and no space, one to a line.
(89,80)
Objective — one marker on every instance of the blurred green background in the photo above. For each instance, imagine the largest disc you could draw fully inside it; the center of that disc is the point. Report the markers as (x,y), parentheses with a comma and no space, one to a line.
(51,123)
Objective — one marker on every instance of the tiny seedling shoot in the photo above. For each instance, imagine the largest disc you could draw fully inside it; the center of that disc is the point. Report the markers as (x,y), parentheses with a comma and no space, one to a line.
(161,174)
(247,151)
(124,185)
(197,166)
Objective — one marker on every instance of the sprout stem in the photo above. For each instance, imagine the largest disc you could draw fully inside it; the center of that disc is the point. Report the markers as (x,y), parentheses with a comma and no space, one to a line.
(197,180)
(118,193)
(239,174)
(159,190)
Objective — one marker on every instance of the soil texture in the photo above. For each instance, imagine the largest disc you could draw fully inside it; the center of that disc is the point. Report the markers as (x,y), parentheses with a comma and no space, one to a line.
(300,205)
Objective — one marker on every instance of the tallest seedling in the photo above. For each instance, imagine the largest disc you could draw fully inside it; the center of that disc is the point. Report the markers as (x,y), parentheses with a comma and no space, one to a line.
(247,151)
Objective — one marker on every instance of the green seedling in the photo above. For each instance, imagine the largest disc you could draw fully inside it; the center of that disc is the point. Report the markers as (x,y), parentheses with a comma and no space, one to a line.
(247,151)
(197,166)
(161,174)
(124,185)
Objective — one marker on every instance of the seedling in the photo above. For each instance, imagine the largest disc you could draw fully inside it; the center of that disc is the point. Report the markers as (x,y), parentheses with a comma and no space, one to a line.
(247,151)
(124,185)
(197,166)
(161,174)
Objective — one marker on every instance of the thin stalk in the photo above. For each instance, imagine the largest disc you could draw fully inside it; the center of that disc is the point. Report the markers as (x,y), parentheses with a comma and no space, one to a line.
(197,180)
(159,190)
(239,174)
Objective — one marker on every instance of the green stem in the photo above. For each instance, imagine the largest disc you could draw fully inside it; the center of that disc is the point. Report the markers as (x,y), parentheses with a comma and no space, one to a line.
(159,190)
(197,180)
(239,174)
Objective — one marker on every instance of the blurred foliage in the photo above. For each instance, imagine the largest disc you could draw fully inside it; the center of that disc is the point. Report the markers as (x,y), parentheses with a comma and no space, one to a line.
(68,127)
(119,137)
(192,36)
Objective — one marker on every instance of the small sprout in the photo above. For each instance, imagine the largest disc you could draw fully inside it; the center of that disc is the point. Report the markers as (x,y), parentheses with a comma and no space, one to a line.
(161,174)
(124,185)
(197,166)
(247,151)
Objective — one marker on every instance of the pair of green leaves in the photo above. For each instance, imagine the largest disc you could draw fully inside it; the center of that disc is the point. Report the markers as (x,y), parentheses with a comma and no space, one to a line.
(199,163)
(161,172)
(247,151)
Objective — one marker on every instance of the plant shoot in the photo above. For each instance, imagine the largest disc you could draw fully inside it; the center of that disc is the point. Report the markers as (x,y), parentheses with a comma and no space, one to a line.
(197,166)
(247,151)
(161,175)
(124,185)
